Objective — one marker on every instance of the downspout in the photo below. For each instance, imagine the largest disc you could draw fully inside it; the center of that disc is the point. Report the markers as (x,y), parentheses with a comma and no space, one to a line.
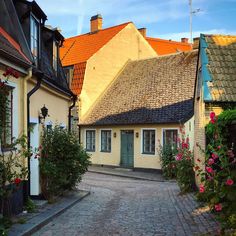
(30,93)
(74,99)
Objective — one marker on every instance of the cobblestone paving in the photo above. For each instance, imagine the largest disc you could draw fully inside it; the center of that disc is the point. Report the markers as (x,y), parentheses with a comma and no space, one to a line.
(123,206)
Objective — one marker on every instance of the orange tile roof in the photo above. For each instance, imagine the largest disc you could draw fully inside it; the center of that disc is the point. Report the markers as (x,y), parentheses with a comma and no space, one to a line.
(162,46)
(13,43)
(80,48)
(78,77)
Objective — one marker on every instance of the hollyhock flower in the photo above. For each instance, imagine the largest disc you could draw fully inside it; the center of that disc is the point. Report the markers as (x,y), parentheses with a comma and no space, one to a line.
(214,156)
(209,170)
(219,147)
(187,140)
(212,121)
(201,188)
(211,161)
(212,115)
(184,145)
(179,157)
(218,207)
(229,182)
(209,178)
(17,181)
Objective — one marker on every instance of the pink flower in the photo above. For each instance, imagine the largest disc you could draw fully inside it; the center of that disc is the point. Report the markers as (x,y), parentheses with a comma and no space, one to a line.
(214,156)
(229,182)
(219,147)
(187,140)
(179,157)
(209,170)
(218,207)
(211,161)
(212,115)
(209,178)
(184,145)
(17,181)
(213,121)
(201,188)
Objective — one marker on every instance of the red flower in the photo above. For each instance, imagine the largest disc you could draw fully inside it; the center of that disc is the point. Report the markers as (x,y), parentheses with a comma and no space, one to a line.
(212,115)
(209,170)
(211,161)
(229,182)
(17,181)
(201,188)
(218,207)
(214,156)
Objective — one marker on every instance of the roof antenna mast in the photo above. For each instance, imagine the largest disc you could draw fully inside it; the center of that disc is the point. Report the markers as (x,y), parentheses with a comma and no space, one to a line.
(191,13)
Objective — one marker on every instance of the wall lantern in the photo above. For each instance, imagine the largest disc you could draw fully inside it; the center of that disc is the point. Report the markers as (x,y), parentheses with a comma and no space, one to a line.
(43,114)
(137,134)
(114,134)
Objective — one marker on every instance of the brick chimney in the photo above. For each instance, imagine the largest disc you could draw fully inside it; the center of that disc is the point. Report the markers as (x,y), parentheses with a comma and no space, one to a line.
(184,40)
(95,23)
(143,31)
(196,43)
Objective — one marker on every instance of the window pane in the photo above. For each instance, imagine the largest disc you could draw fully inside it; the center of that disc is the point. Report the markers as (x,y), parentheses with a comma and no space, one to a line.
(90,140)
(170,137)
(149,141)
(105,140)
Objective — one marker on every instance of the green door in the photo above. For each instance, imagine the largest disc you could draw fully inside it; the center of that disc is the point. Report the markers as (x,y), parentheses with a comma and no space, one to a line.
(127,148)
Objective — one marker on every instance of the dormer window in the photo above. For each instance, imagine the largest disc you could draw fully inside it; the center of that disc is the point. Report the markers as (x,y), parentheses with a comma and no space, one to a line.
(34,38)
(55,56)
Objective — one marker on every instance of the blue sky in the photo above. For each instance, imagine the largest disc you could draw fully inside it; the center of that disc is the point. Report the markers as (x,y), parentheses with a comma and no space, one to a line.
(167,19)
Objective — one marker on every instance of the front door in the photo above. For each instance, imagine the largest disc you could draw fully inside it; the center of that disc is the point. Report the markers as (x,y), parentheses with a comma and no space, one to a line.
(127,148)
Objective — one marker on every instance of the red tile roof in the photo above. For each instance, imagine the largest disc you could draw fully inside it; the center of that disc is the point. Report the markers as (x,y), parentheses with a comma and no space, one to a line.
(80,48)
(162,46)
(78,77)
(13,43)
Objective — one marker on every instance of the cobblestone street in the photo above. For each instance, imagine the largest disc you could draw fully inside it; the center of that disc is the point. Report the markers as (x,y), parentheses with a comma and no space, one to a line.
(124,206)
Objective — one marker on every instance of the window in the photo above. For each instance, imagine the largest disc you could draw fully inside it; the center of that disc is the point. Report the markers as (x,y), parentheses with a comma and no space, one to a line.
(170,137)
(6,115)
(34,38)
(106,141)
(55,56)
(90,140)
(149,141)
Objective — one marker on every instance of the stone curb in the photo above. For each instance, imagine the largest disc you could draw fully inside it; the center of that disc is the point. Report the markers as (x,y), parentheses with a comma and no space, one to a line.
(128,176)
(41,220)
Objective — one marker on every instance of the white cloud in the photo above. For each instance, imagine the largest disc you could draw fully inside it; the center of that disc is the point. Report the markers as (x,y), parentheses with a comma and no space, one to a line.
(179,35)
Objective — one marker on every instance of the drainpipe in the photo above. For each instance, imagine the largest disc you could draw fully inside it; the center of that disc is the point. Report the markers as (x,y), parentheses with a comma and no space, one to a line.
(74,98)
(39,76)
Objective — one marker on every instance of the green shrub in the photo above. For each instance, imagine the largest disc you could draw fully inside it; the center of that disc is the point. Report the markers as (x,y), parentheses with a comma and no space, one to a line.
(184,160)
(62,162)
(168,163)
(218,186)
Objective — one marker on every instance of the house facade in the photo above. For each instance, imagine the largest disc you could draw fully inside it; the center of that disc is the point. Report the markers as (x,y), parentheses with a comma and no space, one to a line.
(141,110)
(47,86)
(215,88)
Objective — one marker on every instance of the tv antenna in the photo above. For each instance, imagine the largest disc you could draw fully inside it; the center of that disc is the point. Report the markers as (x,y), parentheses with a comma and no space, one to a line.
(192,12)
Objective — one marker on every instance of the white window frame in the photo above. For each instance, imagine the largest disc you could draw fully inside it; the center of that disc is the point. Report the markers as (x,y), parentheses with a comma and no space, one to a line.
(169,128)
(15,110)
(100,140)
(148,154)
(94,140)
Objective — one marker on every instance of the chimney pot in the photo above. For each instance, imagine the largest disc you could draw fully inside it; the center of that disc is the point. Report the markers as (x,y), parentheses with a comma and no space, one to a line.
(184,40)
(143,32)
(96,23)
(196,43)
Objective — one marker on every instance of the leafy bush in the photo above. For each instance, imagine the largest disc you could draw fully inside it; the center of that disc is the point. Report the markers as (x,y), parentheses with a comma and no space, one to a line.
(168,163)
(218,178)
(184,160)
(62,162)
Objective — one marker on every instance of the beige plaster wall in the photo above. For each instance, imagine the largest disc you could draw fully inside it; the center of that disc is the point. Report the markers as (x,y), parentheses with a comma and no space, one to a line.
(105,65)
(189,130)
(113,158)
(58,106)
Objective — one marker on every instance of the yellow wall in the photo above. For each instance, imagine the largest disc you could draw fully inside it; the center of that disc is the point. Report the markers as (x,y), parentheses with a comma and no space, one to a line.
(105,65)
(58,106)
(189,130)
(113,158)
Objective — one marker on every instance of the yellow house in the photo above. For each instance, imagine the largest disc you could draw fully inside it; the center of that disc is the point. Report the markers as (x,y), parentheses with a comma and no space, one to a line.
(215,86)
(141,109)
(48,98)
